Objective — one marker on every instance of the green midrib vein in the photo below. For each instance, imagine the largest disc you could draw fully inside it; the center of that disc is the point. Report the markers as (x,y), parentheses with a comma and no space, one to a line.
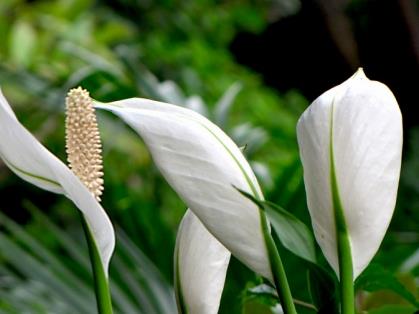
(34,176)
(246,176)
(343,240)
(181,304)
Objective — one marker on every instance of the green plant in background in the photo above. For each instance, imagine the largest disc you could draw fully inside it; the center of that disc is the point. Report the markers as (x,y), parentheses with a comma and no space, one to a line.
(65,285)
(51,46)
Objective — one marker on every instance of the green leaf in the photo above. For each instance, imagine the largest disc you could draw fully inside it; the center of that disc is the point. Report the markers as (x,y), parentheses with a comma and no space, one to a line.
(375,278)
(148,276)
(20,259)
(293,234)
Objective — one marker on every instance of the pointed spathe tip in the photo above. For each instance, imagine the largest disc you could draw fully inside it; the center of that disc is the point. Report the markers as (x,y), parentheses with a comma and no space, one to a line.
(360,74)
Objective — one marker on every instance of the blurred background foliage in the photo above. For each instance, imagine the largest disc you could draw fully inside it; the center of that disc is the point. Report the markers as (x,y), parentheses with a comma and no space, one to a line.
(182,52)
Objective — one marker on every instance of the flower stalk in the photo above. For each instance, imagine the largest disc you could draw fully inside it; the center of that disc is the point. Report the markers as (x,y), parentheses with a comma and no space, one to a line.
(101,283)
(278,271)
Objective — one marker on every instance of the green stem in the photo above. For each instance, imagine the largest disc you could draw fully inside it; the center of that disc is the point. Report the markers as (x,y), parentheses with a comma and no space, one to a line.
(346,275)
(103,297)
(344,253)
(343,242)
(278,271)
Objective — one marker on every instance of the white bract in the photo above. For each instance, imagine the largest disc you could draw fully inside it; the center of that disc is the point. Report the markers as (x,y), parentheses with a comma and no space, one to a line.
(355,128)
(31,161)
(204,166)
(201,264)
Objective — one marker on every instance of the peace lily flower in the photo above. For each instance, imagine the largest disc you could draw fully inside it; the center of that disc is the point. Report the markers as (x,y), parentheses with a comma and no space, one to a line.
(205,168)
(31,161)
(350,141)
(201,264)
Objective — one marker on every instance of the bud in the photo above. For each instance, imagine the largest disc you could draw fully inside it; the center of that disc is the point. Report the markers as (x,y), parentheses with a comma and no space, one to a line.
(201,264)
(350,141)
(83,144)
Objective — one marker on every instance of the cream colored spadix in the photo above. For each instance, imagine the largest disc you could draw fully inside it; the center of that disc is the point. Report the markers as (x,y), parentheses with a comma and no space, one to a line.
(356,128)
(204,167)
(201,263)
(31,161)
(84,148)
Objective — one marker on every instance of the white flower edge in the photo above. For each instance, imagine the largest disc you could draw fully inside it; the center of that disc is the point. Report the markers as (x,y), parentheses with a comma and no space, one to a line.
(357,128)
(204,166)
(31,161)
(201,263)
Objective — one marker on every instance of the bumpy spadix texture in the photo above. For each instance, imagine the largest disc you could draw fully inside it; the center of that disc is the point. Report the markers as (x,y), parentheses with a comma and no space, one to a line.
(360,122)
(201,264)
(31,161)
(203,166)
(83,144)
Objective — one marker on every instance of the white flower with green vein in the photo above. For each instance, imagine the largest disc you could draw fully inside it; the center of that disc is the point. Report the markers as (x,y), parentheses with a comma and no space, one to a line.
(31,161)
(350,141)
(205,167)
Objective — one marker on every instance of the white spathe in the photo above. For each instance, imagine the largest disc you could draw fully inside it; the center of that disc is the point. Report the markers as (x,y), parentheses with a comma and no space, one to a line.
(362,120)
(204,166)
(31,161)
(201,263)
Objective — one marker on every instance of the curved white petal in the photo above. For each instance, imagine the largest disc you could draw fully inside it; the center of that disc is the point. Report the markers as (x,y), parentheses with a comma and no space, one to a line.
(203,166)
(25,156)
(201,264)
(364,121)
